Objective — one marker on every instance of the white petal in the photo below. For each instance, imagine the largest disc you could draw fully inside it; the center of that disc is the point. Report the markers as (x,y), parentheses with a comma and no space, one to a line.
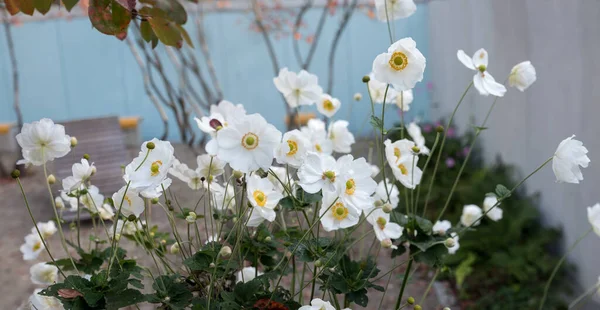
(466,60)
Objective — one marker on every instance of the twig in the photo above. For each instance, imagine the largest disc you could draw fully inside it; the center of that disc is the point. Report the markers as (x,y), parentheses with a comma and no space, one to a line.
(317,35)
(303,11)
(205,52)
(345,19)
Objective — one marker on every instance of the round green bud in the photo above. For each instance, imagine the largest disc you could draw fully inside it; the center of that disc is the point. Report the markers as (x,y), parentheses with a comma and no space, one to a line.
(51,179)
(318,263)
(174,249)
(439,128)
(86,156)
(411,300)
(131,218)
(366,79)
(237,174)
(191,217)
(446,308)
(416,149)
(386,243)
(225,252)
(387,207)
(74,142)
(450,242)
(150,145)
(167,299)
(268,239)
(212,265)
(154,200)
(378,203)
(15,174)
(418,307)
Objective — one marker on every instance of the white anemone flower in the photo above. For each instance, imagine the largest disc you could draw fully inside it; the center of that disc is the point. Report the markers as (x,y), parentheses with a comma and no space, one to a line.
(247,274)
(150,169)
(263,197)
(210,124)
(341,138)
(522,75)
(228,110)
(394,9)
(292,149)
(128,201)
(92,200)
(71,201)
(482,80)
(404,99)
(155,192)
(318,304)
(383,227)
(496,213)
(374,170)
(59,202)
(403,162)
(335,214)
(83,171)
(452,250)
(381,194)
(569,155)
(209,166)
(593,214)
(193,178)
(319,172)
(221,116)
(47,229)
(440,227)
(402,66)
(43,141)
(223,198)
(377,91)
(127,227)
(284,176)
(417,136)
(41,302)
(248,144)
(32,247)
(316,134)
(328,105)
(298,88)
(106,212)
(43,274)
(355,182)
(471,215)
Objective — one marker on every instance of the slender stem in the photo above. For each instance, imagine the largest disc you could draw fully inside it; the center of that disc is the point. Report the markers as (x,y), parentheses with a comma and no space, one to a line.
(560,262)
(381,147)
(435,143)
(387,18)
(588,293)
(406,273)
(79,222)
(437,272)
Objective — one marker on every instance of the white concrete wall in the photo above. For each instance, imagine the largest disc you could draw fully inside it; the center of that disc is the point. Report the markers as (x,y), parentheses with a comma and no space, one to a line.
(562,40)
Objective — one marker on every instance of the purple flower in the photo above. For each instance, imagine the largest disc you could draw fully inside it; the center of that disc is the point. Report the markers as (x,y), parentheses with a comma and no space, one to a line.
(450,132)
(465,151)
(450,162)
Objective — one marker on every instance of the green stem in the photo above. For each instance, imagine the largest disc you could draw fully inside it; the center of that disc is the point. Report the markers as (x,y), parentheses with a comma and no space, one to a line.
(437,272)
(435,143)
(388,24)
(406,273)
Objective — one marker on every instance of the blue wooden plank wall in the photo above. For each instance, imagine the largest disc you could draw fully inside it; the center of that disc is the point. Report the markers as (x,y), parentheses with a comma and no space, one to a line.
(70,71)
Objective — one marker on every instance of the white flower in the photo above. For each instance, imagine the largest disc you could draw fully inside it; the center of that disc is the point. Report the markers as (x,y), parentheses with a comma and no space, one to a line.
(223,198)
(128,202)
(357,96)
(228,110)
(248,144)
(404,99)
(40,302)
(93,199)
(127,227)
(440,227)
(482,80)
(264,198)
(316,134)
(209,166)
(247,274)
(402,66)
(298,89)
(283,176)
(381,194)
(106,212)
(47,229)
(471,215)
(151,167)
(192,177)
(522,75)
(292,149)
(155,192)
(415,133)
(83,171)
(593,214)
(72,201)
(318,304)
(319,172)
(456,246)
(43,274)
(396,9)
(569,155)
(355,182)
(403,162)
(374,170)
(328,105)
(33,247)
(341,138)
(335,214)
(221,116)
(384,229)
(496,213)
(210,124)
(59,202)
(377,91)
(43,141)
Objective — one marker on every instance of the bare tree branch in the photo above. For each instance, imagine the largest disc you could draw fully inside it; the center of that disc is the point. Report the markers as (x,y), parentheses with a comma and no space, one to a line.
(345,19)
(15,69)
(313,46)
(205,52)
(295,42)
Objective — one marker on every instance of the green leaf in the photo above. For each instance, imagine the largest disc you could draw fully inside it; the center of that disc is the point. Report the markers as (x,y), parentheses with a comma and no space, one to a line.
(433,256)
(43,6)
(120,17)
(101,17)
(173,9)
(464,269)
(185,35)
(173,287)
(166,31)
(26,6)
(124,298)
(502,192)
(11,6)
(146,30)
(376,122)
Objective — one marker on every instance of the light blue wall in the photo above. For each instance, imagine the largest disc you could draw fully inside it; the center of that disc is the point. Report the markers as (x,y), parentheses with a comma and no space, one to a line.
(70,71)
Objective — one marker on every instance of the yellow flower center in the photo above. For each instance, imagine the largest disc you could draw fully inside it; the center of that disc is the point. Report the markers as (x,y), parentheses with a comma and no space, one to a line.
(350,187)
(318,148)
(381,222)
(403,169)
(398,61)
(328,105)
(250,141)
(339,211)
(397,154)
(128,200)
(260,198)
(330,175)
(37,246)
(155,168)
(293,147)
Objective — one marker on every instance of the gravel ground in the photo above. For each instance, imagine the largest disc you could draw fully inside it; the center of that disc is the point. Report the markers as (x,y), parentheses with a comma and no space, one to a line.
(15,224)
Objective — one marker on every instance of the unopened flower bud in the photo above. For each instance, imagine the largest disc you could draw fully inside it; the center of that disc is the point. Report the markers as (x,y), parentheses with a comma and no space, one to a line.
(366,79)
(163,241)
(446,308)
(439,128)
(73,142)
(215,124)
(268,239)
(411,300)
(234,220)
(225,252)
(450,242)
(378,203)
(86,156)
(357,96)
(150,145)
(152,234)
(72,226)
(154,200)
(237,174)
(174,249)
(416,149)
(387,207)
(94,170)
(51,179)
(117,236)
(318,263)
(418,307)
(131,218)
(191,217)
(212,265)
(167,299)
(386,243)
(15,174)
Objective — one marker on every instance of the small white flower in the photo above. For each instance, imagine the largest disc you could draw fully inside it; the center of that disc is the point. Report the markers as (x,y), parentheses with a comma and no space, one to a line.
(248,144)
(316,134)
(355,182)
(453,249)
(384,229)
(292,149)
(440,227)
(377,91)
(83,171)
(127,227)
(298,88)
(328,105)
(341,138)
(92,200)
(482,80)
(40,302)
(319,172)
(210,124)
(47,229)
(155,192)
(43,141)
(335,214)
(415,133)
(381,194)
(404,99)
(106,212)
(264,198)
(471,215)
(402,66)
(221,116)
(71,201)
(128,202)
(223,198)
(374,170)
(33,247)
(59,202)
(228,110)
(151,167)
(593,214)
(283,176)
(247,274)
(396,9)
(43,274)
(192,177)
(357,97)
(522,75)
(403,162)
(318,304)
(209,166)
(496,213)
(569,155)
